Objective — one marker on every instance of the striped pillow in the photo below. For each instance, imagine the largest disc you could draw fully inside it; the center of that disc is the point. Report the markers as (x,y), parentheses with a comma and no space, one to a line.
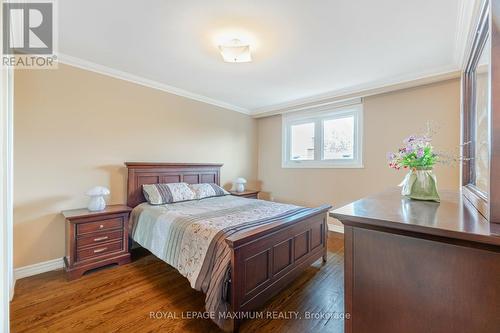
(207,190)
(159,194)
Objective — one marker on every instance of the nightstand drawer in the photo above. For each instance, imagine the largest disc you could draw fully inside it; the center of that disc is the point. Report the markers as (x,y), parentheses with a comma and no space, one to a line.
(98,238)
(101,225)
(99,250)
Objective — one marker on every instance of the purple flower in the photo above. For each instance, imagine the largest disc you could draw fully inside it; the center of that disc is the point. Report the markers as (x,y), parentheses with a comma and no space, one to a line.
(420,153)
(410,139)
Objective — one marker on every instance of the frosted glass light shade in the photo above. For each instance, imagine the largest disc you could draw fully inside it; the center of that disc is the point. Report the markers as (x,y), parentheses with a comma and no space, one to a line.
(235,51)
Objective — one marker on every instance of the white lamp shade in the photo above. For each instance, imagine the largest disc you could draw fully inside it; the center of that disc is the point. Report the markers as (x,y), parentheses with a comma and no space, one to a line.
(97,194)
(240,180)
(98,190)
(239,184)
(235,51)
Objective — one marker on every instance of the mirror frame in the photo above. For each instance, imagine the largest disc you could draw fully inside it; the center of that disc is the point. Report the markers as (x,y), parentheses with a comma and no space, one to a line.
(488,25)
(477,197)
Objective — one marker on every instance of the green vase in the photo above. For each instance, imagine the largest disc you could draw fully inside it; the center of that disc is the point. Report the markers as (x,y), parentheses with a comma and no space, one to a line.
(420,184)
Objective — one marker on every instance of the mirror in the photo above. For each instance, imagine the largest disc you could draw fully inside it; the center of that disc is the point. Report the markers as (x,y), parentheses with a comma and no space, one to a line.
(480,111)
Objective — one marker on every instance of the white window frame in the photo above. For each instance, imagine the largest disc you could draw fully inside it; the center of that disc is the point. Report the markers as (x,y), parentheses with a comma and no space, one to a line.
(318,116)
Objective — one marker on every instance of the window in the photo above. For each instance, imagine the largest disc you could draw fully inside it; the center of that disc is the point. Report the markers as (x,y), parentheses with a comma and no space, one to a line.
(302,142)
(323,138)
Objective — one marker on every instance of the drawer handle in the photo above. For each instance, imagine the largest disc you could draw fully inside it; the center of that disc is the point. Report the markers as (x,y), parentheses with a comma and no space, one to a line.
(101,226)
(98,239)
(100,250)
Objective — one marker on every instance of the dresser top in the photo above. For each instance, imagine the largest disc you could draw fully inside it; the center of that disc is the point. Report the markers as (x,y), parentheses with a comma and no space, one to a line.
(84,212)
(454,217)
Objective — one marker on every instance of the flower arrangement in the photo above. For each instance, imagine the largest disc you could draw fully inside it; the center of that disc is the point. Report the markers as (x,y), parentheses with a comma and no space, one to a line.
(417,153)
(419,157)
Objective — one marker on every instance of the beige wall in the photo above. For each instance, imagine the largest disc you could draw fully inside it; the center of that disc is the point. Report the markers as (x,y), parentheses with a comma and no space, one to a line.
(74,129)
(388,119)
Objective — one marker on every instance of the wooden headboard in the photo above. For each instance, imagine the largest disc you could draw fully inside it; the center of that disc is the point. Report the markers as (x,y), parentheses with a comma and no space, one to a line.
(161,173)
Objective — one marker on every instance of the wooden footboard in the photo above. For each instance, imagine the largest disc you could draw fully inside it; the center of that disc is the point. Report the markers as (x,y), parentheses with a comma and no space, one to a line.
(265,260)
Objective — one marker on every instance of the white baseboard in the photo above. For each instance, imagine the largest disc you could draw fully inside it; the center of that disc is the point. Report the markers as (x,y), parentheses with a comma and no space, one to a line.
(336,228)
(41,267)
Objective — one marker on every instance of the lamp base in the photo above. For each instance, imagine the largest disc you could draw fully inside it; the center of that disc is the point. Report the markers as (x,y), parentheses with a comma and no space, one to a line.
(96,203)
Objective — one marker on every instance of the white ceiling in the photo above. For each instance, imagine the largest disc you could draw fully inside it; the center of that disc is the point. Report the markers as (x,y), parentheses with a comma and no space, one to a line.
(299,48)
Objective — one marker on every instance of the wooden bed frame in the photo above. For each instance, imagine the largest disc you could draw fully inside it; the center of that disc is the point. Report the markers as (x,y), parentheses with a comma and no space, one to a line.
(265,260)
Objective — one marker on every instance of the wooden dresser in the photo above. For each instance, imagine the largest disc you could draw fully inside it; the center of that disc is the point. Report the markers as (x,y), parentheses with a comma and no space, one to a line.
(415,266)
(95,239)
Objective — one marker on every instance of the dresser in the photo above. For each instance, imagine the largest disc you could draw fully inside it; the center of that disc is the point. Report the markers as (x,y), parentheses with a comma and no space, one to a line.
(418,266)
(95,239)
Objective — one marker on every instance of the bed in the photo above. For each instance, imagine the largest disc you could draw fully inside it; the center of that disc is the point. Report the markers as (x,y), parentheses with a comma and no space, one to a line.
(240,252)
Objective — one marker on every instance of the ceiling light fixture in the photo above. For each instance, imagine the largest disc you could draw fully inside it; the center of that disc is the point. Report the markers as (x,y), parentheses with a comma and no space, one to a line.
(235,51)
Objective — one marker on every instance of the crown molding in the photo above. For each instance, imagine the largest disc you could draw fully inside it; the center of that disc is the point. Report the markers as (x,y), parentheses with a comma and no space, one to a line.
(360,91)
(122,75)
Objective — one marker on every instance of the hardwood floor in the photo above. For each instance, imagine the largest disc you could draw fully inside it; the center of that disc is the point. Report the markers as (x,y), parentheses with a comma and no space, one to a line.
(120,299)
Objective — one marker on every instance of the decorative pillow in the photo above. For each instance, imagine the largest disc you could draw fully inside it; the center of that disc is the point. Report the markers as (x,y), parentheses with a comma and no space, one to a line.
(207,190)
(159,194)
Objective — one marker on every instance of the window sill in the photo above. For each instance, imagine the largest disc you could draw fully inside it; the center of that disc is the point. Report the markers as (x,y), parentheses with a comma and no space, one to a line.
(322,166)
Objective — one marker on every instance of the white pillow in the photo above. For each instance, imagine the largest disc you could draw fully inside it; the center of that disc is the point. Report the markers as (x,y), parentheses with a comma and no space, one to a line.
(207,190)
(159,194)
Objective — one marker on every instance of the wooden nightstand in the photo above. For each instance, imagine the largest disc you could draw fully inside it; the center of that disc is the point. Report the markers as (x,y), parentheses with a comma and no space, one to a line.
(95,239)
(250,194)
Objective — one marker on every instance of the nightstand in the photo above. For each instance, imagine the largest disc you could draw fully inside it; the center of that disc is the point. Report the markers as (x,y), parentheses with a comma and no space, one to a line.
(95,239)
(250,194)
